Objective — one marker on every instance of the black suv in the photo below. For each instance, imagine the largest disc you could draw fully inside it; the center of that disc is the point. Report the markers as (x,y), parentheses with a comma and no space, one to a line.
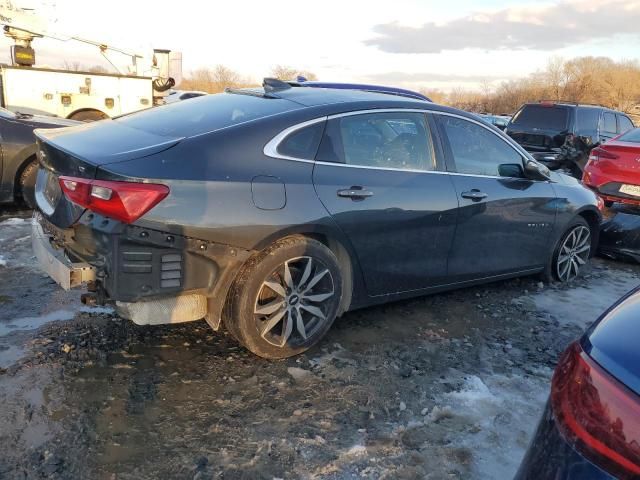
(542,128)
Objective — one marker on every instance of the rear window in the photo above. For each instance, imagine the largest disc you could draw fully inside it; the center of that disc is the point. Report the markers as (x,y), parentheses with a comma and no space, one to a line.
(205,114)
(543,117)
(632,136)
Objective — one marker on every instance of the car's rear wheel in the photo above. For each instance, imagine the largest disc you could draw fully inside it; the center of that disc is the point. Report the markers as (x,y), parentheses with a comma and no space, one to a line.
(28,184)
(572,252)
(285,299)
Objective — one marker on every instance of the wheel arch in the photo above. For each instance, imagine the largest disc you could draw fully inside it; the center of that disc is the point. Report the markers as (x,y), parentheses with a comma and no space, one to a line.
(593,217)
(28,156)
(338,246)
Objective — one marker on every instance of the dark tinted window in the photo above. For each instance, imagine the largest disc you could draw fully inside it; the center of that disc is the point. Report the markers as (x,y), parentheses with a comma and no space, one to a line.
(477,150)
(608,122)
(632,136)
(302,143)
(624,123)
(385,140)
(588,119)
(204,114)
(546,117)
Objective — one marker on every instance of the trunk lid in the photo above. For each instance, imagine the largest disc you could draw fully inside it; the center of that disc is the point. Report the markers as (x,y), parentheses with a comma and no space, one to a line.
(612,341)
(79,152)
(627,165)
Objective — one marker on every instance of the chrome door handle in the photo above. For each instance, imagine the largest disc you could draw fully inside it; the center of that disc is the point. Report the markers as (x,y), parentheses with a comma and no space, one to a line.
(355,193)
(475,195)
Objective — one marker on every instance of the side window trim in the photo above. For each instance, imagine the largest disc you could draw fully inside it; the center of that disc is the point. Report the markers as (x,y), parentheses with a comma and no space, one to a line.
(442,151)
(271,148)
(450,161)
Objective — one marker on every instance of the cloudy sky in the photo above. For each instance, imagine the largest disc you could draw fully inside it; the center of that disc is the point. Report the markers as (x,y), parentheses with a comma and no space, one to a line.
(411,43)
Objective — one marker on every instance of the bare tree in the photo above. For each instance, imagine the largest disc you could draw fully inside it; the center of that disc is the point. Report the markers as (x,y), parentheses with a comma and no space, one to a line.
(214,80)
(72,66)
(284,72)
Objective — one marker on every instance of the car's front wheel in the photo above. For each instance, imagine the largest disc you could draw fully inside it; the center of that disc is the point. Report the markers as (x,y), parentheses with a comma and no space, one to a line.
(572,252)
(285,299)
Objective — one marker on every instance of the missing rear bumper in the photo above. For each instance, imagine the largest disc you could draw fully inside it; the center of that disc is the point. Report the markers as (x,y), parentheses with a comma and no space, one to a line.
(67,274)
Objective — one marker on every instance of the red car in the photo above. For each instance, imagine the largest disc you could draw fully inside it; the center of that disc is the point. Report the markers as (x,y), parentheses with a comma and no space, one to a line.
(613,170)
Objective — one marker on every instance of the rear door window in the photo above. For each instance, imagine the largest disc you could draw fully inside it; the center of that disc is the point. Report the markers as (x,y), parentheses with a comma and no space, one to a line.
(588,118)
(624,123)
(396,140)
(608,123)
(476,150)
(544,117)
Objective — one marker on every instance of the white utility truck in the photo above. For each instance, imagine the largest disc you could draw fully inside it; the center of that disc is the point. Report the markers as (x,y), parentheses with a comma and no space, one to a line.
(75,94)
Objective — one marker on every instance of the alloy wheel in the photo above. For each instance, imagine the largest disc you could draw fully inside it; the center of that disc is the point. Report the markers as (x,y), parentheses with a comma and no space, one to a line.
(294,301)
(574,253)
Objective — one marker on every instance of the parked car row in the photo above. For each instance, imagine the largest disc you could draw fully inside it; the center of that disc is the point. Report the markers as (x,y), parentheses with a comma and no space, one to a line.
(274,210)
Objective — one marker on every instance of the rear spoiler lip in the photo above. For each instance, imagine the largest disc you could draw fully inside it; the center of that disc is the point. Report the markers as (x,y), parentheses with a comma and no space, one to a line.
(41,134)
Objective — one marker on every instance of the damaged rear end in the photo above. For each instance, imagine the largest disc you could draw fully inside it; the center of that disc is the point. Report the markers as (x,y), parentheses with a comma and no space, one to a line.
(88,228)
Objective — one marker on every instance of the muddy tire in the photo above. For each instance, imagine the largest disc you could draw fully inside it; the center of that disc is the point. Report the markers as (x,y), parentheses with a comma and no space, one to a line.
(285,298)
(28,184)
(571,253)
(88,116)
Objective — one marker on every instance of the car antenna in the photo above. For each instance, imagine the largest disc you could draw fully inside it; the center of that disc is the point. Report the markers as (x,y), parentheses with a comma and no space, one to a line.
(274,85)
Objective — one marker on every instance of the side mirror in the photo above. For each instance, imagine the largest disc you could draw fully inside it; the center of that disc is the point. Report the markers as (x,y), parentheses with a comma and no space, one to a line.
(513,170)
(536,171)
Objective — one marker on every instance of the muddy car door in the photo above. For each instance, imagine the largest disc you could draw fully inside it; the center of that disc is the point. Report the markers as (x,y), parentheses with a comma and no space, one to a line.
(505,219)
(377,175)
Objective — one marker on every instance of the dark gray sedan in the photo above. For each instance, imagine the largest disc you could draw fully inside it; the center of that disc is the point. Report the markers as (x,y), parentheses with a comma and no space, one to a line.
(18,162)
(274,210)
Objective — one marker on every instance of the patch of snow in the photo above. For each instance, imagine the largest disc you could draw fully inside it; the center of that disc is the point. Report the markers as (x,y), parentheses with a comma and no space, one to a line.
(503,411)
(569,306)
(16,221)
(3,261)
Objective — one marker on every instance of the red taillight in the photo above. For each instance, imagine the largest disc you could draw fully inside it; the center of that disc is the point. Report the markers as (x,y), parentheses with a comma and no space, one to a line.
(123,201)
(597,414)
(599,153)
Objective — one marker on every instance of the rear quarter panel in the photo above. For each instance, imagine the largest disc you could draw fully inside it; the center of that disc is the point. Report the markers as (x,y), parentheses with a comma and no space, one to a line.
(574,199)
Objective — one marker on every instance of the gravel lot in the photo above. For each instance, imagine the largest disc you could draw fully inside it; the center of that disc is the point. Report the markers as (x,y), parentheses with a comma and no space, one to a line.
(446,386)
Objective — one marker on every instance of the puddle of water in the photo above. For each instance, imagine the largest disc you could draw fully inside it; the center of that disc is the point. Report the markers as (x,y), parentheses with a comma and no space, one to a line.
(10,355)
(31,323)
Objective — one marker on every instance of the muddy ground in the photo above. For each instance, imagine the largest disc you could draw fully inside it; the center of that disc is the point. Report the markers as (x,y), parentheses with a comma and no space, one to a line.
(447,386)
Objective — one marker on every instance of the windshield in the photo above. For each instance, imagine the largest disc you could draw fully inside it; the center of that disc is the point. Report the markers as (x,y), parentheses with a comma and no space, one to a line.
(205,114)
(552,117)
(632,136)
